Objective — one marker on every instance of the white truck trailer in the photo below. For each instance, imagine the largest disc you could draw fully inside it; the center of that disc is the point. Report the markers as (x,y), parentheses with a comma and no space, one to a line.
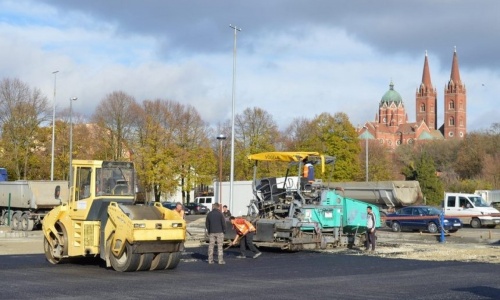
(24,203)
(492,197)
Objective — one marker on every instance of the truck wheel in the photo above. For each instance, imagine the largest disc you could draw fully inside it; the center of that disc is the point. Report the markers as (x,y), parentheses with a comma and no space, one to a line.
(173,260)
(475,223)
(432,227)
(15,222)
(395,227)
(26,223)
(127,262)
(145,263)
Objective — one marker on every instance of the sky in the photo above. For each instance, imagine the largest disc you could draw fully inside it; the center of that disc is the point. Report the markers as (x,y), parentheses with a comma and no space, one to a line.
(294,59)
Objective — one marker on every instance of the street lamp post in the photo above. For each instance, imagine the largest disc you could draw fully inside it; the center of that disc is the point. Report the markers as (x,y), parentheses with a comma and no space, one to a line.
(231,183)
(53,127)
(71,138)
(221,138)
(366,154)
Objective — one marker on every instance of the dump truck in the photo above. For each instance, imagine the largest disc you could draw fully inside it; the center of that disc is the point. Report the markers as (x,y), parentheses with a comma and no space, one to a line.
(101,219)
(295,214)
(24,203)
(386,195)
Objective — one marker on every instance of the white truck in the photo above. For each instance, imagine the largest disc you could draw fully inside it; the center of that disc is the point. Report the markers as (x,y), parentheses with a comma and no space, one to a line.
(24,203)
(470,209)
(492,197)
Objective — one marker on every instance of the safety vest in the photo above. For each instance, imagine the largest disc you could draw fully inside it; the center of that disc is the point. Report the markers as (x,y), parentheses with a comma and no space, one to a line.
(242,226)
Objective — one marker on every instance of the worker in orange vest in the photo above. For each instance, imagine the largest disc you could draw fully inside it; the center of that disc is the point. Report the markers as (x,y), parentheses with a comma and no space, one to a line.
(244,234)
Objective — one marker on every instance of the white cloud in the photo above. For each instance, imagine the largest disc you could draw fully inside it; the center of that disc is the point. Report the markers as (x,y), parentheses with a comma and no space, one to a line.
(299,72)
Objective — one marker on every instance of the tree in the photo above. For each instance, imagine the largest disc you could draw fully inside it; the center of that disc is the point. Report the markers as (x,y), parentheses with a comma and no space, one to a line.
(424,172)
(115,117)
(379,163)
(470,156)
(255,131)
(22,111)
(335,136)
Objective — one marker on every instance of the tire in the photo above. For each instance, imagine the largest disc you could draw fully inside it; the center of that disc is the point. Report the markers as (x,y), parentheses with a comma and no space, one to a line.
(15,223)
(127,262)
(145,263)
(5,219)
(395,227)
(49,250)
(453,230)
(173,260)
(492,226)
(159,261)
(475,223)
(432,227)
(26,223)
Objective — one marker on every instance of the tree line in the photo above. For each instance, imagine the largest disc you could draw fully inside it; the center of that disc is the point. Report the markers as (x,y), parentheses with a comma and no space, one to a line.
(173,148)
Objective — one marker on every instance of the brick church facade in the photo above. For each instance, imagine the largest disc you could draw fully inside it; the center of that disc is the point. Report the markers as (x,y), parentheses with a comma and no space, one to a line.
(391,127)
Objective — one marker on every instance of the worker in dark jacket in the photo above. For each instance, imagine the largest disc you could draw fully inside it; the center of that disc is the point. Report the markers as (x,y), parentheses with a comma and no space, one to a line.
(216,227)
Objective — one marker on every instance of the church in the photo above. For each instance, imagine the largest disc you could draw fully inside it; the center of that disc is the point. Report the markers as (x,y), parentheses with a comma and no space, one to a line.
(391,126)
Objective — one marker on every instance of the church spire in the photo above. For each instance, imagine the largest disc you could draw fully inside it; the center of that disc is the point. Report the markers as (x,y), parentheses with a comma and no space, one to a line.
(426,75)
(455,73)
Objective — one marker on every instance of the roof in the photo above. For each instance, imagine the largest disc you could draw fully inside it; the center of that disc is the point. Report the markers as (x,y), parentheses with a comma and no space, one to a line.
(391,96)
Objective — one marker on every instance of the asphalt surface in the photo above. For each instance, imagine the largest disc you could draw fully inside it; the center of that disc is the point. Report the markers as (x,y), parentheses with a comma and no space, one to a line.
(276,275)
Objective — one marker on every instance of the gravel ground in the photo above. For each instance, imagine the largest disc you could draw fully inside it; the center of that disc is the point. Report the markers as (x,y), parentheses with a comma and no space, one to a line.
(432,252)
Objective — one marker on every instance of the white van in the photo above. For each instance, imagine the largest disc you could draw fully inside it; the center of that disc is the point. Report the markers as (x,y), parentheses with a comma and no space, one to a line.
(205,200)
(470,209)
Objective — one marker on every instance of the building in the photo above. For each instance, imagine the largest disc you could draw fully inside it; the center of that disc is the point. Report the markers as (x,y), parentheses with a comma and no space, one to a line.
(392,127)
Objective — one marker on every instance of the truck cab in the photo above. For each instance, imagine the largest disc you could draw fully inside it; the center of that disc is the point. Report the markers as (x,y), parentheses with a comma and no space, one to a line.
(471,209)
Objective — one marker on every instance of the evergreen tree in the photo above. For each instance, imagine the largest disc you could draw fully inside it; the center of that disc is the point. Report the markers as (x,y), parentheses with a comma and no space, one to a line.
(424,172)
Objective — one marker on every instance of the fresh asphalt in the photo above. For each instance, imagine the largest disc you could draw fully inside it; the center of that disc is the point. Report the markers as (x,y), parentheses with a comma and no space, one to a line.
(274,275)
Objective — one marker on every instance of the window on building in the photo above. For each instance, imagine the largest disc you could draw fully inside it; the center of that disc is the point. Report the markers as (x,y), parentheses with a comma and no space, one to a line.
(432,108)
(450,133)
(452,104)
(451,122)
(422,107)
(461,122)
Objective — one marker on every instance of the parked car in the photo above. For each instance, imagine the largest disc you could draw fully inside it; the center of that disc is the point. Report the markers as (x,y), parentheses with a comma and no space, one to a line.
(432,225)
(197,209)
(171,205)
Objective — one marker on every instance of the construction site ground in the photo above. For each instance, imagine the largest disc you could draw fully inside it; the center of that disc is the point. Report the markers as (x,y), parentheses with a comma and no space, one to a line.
(467,245)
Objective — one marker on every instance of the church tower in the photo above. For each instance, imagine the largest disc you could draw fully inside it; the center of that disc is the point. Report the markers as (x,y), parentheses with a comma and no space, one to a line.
(455,104)
(426,96)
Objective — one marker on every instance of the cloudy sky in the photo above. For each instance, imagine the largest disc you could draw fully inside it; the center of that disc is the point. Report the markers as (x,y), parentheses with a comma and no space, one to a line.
(294,58)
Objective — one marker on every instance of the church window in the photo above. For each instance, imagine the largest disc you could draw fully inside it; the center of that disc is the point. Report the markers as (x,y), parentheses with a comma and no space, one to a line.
(461,134)
(381,141)
(450,133)
(451,122)
(384,120)
(422,107)
(410,141)
(452,104)
(432,108)
(461,122)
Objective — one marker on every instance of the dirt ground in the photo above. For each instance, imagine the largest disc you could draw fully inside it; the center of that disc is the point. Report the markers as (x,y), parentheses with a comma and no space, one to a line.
(433,252)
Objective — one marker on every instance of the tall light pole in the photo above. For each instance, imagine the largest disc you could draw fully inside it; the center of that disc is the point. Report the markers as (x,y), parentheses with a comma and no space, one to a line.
(366,153)
(71,138)
(221,138)
(53,127)
(231,183)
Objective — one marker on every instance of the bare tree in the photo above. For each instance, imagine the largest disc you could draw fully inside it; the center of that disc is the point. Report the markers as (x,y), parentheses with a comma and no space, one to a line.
(22,111)
(116,118)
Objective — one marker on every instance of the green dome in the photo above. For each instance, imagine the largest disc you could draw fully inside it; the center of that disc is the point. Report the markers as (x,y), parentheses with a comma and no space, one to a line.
(391,96)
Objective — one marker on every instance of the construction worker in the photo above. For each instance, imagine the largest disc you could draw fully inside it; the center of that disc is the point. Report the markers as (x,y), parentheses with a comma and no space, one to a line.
(244,234)
(179,208)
